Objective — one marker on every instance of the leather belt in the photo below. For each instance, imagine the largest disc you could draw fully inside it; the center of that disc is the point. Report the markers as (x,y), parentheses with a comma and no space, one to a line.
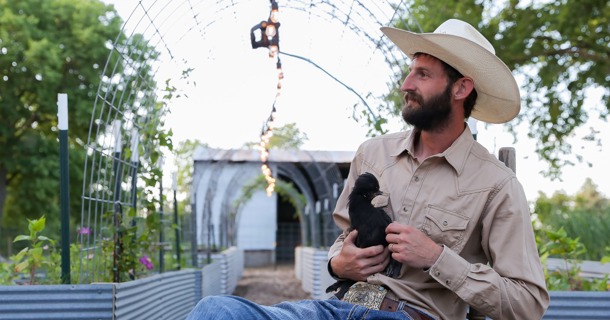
(392,305)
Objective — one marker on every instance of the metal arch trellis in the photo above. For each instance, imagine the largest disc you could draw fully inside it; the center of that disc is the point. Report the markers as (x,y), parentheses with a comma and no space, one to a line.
(228,211)
(111,168)
(207,224)
(327,182)
(291,171)
(133,96)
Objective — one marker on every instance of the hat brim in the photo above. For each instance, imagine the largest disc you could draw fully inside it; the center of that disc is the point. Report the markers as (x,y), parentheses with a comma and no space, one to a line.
(498,98)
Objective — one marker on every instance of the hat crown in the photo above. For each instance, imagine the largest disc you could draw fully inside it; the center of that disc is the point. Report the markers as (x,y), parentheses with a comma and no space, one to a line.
(464,30)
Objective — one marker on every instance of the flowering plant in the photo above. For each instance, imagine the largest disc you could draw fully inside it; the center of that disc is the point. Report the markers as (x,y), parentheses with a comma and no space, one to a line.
(145,260)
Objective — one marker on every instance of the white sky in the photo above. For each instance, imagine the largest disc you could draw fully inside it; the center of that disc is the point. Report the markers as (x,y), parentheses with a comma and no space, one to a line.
(234,92)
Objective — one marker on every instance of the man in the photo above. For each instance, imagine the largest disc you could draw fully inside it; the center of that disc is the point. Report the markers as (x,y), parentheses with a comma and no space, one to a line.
(461,227)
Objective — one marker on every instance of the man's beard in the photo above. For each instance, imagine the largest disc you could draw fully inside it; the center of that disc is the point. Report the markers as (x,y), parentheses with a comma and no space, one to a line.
(430,114)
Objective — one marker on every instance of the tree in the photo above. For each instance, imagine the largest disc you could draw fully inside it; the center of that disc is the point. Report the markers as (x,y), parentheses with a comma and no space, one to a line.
(183,153)
(558,50)
(285,137)
(50,47)
(584,216)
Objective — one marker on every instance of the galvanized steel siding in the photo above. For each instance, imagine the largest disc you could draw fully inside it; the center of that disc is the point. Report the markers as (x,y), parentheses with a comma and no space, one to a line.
(314,272)
(165,296)
(581,305)
(47,302)
(231,268)
(211,282)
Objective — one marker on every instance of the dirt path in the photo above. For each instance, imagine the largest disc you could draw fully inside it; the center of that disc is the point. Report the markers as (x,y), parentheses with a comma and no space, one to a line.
(270,285)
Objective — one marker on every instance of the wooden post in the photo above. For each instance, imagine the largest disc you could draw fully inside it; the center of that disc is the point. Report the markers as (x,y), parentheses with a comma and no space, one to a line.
(509,157)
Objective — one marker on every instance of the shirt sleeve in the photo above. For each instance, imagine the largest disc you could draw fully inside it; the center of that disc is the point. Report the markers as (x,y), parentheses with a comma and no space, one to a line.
(512,285)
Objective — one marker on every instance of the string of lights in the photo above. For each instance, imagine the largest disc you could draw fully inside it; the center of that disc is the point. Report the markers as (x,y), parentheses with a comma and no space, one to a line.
(269,38)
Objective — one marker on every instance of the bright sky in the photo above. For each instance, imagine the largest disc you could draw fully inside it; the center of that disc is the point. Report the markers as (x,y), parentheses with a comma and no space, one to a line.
(236,85)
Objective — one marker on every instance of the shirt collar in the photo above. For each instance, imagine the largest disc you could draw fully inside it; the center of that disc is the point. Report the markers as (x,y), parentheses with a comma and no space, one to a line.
(455,155)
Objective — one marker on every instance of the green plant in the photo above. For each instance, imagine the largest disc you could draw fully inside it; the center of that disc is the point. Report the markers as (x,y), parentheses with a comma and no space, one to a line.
(6,273)
(32,258)
(127,250)
(570,250)
(606,258)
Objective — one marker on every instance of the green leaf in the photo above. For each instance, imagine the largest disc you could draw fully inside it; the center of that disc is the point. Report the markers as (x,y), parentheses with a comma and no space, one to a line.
(19,256)
(22,238)
(43,238)
(37,226)
(22,266)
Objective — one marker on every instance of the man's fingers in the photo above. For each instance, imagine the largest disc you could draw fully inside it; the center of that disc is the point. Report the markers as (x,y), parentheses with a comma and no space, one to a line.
(393,227)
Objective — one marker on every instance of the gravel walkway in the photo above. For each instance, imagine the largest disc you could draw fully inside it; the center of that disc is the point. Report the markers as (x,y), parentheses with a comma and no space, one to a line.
(270,285)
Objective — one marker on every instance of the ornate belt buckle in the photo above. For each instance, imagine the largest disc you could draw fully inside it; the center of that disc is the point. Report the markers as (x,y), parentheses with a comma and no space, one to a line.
(365,294)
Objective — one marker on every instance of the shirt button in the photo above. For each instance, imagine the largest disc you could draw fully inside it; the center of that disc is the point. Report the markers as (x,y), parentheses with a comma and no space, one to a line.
(416,178)
(448,282)
(445,223)
(404,209)
(437,273)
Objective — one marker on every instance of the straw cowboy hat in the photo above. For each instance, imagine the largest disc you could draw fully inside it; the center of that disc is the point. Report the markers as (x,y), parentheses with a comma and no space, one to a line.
(460,45)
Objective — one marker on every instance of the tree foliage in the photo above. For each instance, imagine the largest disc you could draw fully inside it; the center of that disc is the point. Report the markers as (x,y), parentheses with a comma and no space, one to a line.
(559,51)
(49,47)
(286,137)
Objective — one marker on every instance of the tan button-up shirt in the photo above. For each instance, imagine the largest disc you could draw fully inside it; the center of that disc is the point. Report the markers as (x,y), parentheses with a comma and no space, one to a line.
(473,205)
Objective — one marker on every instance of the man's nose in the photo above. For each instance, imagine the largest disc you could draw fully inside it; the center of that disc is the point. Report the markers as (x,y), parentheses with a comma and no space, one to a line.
(407,84)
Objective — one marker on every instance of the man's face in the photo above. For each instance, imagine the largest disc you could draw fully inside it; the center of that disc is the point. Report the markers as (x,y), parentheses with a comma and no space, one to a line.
(427,95)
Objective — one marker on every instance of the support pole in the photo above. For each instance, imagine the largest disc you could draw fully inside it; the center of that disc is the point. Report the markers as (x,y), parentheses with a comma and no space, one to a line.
(118,211)
(161,208)
(176,225)
(135,161)
(64,186)
(193,229)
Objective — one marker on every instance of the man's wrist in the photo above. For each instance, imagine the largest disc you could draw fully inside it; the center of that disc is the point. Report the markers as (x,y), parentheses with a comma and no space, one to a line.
(331,272)
(437,255)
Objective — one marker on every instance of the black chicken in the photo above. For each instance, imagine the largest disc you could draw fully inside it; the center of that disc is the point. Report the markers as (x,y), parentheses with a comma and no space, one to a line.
(370,222)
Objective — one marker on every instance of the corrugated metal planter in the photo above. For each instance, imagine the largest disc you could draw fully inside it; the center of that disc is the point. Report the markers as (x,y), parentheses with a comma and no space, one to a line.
(164,296)
(582,305)
(93,301)
(169,295)
(311,269)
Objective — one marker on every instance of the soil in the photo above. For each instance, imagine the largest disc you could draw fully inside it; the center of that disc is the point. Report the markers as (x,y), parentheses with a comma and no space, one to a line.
(270,285)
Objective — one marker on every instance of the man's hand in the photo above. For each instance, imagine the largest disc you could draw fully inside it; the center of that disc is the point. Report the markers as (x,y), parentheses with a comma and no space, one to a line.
(411,247)
(359,263)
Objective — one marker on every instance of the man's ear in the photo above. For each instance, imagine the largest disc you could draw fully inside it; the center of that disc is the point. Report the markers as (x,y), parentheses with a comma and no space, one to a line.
(462,88)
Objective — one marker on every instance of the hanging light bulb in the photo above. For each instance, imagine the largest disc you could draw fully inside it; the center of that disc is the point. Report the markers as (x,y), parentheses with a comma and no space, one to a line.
(273,50)
(270,31)
(280,74)
(275,14)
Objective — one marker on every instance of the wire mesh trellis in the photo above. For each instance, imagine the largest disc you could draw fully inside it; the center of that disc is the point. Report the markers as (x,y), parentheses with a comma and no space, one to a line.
(140,79)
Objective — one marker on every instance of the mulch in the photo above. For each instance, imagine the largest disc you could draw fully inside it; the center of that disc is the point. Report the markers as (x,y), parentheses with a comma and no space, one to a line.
(270,285)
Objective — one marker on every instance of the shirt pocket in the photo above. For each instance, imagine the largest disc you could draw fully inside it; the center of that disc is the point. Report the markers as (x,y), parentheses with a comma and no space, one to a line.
(445,227)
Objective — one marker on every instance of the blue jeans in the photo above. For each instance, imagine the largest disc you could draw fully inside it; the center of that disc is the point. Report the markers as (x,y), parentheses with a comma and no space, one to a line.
(237,308)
